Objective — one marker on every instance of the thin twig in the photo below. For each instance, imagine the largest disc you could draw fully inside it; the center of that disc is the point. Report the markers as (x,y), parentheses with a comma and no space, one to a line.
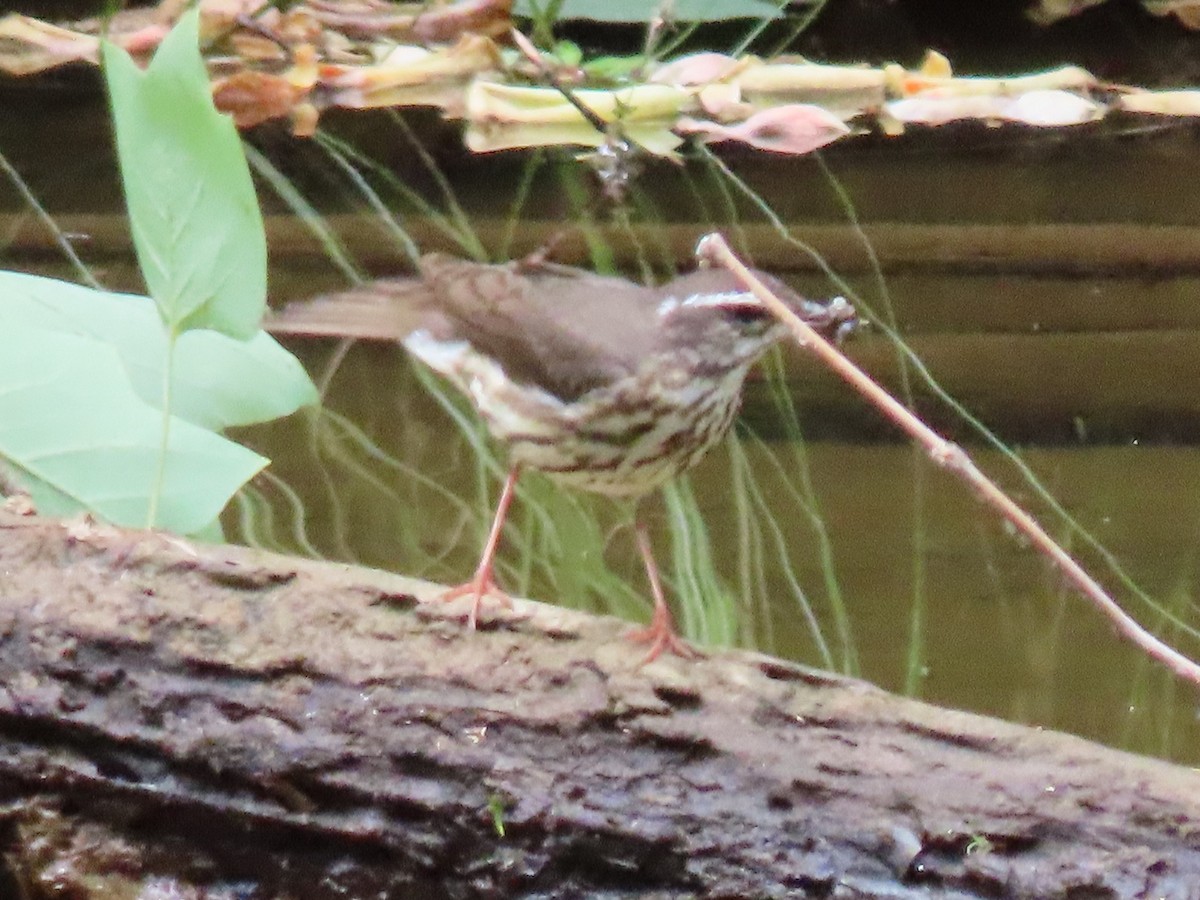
(534,55)
(951,457)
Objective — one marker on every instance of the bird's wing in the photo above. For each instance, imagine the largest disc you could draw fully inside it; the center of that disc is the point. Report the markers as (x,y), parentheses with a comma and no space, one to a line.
(381,310)
(564,332)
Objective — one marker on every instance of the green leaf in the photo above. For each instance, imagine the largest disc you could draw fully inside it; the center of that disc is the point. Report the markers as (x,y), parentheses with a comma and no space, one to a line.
(568,53)
(632,11)
(221,383)
(79,438)
(195,219)
(612,68)
(218,382)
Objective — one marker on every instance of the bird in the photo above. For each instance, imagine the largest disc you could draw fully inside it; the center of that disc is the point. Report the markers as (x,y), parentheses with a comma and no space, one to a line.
(602,384)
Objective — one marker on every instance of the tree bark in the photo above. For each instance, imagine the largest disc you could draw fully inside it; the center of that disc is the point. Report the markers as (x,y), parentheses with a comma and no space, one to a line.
(201,722)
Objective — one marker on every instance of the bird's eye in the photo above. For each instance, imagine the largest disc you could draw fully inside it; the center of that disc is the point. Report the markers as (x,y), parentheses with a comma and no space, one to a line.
(746,313)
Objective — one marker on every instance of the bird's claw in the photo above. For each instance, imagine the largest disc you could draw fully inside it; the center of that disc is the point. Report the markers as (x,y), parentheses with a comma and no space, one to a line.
(660,634)
(482,585)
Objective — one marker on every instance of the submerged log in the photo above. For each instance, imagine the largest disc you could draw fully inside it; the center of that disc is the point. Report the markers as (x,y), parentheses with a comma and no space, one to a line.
(203,722)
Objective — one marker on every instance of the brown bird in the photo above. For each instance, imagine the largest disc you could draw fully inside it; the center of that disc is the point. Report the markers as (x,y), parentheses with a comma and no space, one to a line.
(604,385)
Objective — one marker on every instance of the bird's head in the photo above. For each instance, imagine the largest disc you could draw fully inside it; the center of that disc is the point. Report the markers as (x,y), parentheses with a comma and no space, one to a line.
(710,312)
(725,324)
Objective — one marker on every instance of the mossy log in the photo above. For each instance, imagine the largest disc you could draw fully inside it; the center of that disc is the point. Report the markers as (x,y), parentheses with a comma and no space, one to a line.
(210,722)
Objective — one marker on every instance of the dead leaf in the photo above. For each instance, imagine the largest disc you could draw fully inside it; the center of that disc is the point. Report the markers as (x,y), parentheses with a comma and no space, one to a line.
(1039,108)
(426,22)
(1162,103)
(696,69)
(409,73)
(795,129)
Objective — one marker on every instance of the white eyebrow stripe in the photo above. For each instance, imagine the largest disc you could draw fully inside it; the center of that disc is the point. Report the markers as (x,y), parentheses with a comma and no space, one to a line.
(721,298)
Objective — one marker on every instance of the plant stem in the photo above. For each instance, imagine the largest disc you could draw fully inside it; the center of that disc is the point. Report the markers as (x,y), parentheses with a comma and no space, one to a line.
(160,472)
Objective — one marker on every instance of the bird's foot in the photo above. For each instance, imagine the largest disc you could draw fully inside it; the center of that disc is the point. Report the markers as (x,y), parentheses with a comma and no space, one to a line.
(482,585)
(662,637)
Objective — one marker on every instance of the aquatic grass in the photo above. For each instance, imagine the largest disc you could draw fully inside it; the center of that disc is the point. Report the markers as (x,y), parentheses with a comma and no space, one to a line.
(702,212)
(256,522)
(82,270)
(308,215)
(569,533)
(749,547)
(917,653)
(763,518)
(579,200)
(340,157)
(759,26)
(707,611)
(356,165)
(343,454)
(797,484)
(721,187)
(463,229)
(341,460)
(807,17)
(522,191)
(1154,703)
(660,258)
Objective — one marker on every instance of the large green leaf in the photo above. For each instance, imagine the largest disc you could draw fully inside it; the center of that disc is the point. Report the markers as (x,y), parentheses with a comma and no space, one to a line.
(631,11)
(195,219)
(218,382)
(80,438)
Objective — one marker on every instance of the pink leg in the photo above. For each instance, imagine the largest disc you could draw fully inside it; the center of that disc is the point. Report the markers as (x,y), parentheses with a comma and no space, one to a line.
(660,633)
(484,582)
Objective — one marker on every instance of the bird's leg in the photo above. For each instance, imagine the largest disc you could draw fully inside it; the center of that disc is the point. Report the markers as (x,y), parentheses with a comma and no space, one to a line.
(484,581)
(660,634)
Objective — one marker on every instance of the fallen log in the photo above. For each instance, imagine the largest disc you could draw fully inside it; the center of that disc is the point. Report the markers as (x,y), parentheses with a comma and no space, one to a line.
(189,721)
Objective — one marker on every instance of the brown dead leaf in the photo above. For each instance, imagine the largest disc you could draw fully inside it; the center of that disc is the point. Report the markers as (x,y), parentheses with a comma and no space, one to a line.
(393,81)
(256,97)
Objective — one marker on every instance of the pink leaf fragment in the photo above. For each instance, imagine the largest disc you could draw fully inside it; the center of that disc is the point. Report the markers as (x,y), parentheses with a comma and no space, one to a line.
(698,68)
(796,128)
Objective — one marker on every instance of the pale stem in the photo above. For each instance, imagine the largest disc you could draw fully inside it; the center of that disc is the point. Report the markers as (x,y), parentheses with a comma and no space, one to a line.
(160,470)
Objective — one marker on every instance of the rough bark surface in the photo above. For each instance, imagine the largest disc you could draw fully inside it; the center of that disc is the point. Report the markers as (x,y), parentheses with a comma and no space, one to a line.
(196,722)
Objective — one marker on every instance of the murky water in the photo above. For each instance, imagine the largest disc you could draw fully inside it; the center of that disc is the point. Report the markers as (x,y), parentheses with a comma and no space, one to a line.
(844,550)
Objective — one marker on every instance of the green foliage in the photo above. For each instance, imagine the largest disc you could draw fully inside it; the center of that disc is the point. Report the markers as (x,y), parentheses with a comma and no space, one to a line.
(567,53)
(612,69)
(112,403)
(196,225)
(495,804)
(77,436)
(217,382)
